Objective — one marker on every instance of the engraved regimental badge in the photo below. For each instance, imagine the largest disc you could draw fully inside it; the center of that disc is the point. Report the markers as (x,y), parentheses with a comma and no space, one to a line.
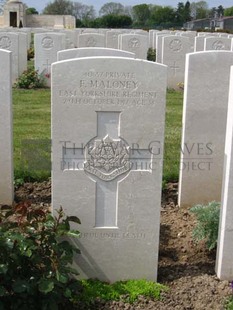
(107,158)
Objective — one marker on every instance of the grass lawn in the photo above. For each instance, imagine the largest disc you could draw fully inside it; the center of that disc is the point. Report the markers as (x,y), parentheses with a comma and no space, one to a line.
(32,113)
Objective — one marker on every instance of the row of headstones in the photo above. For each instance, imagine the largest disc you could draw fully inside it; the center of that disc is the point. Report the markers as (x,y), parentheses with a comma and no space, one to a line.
(171,47)
(102,98)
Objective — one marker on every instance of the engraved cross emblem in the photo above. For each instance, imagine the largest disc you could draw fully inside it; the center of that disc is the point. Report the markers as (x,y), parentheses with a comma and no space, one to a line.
(47,66)
(107,159)
(175,68)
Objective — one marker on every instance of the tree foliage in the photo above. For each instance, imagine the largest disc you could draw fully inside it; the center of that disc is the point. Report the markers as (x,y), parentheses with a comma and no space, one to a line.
(199,10)
(162,15)
(30,11)
(116,21)
(141,14)
(112,8)
(84,13)
(228,11)
(59,7)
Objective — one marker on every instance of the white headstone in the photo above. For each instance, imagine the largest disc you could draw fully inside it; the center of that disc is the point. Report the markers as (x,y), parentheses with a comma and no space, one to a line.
(23,44)
(46,47)
(135,43)
(174,50)
(204,126)
(108,131)
(91,52)
(224,262)
(159,45)
(10,41)
(112,38)
(91,40)
(6,138)
(217,44)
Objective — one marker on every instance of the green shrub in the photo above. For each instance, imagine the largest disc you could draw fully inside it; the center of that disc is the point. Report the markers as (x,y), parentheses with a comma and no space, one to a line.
(229,303)
(207,223)
(126,291)
(30,79)
(151,54)
(30,53)
(35,259)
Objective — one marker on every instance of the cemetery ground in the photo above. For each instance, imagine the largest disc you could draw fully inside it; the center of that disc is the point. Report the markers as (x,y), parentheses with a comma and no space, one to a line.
(185,267)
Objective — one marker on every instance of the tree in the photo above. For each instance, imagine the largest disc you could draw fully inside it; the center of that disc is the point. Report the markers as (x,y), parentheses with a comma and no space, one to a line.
(2,3)
(59,7)
(83,12)
(116,21)
(199,10)
(228,11)
(112,8)
(30,11)
(183,13)
(220,11)
(163,15)
(141,14)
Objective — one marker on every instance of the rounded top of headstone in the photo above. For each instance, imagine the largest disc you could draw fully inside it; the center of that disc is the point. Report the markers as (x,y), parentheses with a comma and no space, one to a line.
(14,1)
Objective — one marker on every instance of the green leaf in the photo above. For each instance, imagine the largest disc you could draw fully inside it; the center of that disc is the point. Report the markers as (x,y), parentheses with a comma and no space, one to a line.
(46,286)
(3,268)
(73,233)
(20,286)
(67,293)
(61,277)
(2,291)
(74,219)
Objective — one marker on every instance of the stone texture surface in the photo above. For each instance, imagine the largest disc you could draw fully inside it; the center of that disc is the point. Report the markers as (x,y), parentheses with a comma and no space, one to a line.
(204,126)
(91,51)
(46,47)
(6,139)
(135,43)
(224,262)
(174,50)
(217,44)
(108,131)
(10,41)
(91,40)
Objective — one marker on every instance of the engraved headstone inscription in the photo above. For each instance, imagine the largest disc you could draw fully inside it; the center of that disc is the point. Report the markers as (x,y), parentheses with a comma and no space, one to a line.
(108,131)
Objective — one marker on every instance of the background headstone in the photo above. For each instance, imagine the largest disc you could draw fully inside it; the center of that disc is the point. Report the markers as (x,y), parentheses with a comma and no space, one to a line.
(134,43)
(91,40)
(46,47)
(6,138)
(204,126)
(107,106)
(10,41)
(217,44)
(224,262)
(174,50)
(90,52)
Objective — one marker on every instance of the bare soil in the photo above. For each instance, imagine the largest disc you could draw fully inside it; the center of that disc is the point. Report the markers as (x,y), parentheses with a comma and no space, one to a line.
(185,267)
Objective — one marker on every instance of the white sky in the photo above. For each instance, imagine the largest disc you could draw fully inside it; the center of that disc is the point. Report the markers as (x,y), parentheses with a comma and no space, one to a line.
(40,4)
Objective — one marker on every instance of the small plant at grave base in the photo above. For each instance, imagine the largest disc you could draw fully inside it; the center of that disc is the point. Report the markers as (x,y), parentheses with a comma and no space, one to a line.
(181,85)
(207,223)
(34,261)
(30,53)
(126,291)
(151,54)
(229,301)
(30,79)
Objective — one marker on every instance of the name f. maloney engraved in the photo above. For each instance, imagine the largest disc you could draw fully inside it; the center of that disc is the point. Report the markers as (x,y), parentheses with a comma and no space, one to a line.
(108,159)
